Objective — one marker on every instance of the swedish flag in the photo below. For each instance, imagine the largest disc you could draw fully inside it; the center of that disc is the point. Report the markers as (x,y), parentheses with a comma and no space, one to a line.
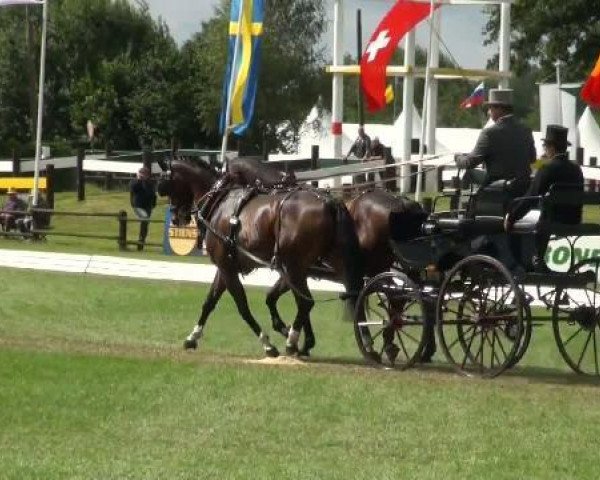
(241,78)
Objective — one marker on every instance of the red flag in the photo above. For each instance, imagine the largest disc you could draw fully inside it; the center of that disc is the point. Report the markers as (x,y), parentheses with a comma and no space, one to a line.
(590,93)
(401,19)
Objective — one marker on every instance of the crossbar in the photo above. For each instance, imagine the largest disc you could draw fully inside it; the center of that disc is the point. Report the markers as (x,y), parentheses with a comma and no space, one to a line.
(21,183)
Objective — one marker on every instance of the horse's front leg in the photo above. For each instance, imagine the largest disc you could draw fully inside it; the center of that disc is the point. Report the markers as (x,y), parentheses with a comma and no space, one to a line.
(214,294)
(273,295)
(305,303)
(232,280)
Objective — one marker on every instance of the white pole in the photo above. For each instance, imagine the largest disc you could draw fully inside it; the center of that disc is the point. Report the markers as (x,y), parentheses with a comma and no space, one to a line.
(40,110)
(408,98)
(230,89)
(337,100)
(558,64)
(432,94)
(504,54)
(424,116)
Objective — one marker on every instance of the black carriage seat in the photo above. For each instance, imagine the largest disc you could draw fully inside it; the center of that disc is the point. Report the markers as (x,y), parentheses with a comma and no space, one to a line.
(485,213)
(566,200)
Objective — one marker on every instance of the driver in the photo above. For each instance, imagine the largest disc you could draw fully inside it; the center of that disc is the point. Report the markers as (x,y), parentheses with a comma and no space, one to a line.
(506,149)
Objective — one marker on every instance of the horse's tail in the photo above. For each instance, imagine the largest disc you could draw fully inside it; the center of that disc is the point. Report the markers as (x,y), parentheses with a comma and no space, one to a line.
(347,244)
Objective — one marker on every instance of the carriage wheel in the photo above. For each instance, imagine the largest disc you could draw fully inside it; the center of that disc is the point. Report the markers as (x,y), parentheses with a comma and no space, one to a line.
(481,317)
(576,320)
(389,323)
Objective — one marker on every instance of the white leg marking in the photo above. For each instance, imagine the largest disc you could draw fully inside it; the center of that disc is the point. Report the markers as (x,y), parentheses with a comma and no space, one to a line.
(293,337)
(196,333)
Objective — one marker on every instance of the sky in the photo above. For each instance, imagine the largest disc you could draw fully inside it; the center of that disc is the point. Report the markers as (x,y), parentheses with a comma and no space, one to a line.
(461,25)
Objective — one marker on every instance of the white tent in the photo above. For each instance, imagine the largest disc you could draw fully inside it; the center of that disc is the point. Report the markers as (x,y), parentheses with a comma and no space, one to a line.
(589,136)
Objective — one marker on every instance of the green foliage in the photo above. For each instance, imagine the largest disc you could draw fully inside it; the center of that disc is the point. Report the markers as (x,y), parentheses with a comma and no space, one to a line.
(292,74)
(544,31)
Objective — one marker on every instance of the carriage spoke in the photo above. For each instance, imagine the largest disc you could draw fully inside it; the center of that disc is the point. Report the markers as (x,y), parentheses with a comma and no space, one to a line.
(467,350)
(451,346)
(497,337)
(491,344)
(565,343)
(402,332)
(572,299)
(595,352)
(480,352)
(587,342)
(403,347)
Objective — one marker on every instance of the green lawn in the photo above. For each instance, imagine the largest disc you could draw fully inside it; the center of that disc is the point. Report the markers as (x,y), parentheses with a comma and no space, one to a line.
(95,385)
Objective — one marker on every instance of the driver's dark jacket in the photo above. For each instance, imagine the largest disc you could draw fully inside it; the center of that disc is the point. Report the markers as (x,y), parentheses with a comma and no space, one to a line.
(506,149)
(560,170)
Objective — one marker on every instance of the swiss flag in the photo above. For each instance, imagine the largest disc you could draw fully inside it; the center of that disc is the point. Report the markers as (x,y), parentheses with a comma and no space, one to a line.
(401,19)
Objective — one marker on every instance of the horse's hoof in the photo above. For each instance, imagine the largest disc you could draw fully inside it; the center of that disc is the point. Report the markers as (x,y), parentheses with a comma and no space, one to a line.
(190,344)
(291,350)
(272,352)
(304,353)
(426,357)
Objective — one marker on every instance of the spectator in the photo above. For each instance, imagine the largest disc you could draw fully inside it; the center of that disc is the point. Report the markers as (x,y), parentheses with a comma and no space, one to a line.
(377,153)
(13,209)
(142,193)
(361,148)
(377,150)
(34,220)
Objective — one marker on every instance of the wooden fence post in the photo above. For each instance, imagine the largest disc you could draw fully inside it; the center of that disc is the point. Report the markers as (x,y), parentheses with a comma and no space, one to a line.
(16,163)
(50,185)
(390,173)
(108,181)
(80,174)
(592,183)
(122,230)
(314,162)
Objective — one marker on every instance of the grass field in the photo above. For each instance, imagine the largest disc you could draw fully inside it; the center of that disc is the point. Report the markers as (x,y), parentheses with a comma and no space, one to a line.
(94,384)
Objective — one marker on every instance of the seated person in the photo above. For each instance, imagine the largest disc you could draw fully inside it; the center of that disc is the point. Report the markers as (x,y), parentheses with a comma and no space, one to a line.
(13,209)
(34,219)
(559,170)
(506,149)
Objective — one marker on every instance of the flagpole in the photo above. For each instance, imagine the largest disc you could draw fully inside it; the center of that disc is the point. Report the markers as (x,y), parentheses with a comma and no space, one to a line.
(40,109)
(418,188)
(230,89)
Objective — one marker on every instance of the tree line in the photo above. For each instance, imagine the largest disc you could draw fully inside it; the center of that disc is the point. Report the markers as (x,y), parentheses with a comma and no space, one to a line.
(111,63)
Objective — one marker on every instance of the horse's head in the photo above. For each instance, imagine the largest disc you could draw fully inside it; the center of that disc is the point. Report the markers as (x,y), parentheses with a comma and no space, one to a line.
(185,185)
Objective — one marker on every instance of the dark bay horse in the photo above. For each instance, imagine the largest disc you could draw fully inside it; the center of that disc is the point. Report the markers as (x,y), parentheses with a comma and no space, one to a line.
(370,212)
(292,229)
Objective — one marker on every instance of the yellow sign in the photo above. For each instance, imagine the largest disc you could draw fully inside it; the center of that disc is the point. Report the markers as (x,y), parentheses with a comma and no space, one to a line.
(183,240)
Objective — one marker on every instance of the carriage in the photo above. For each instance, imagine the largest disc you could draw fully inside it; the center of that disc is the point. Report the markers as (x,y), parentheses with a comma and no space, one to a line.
(483,311)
